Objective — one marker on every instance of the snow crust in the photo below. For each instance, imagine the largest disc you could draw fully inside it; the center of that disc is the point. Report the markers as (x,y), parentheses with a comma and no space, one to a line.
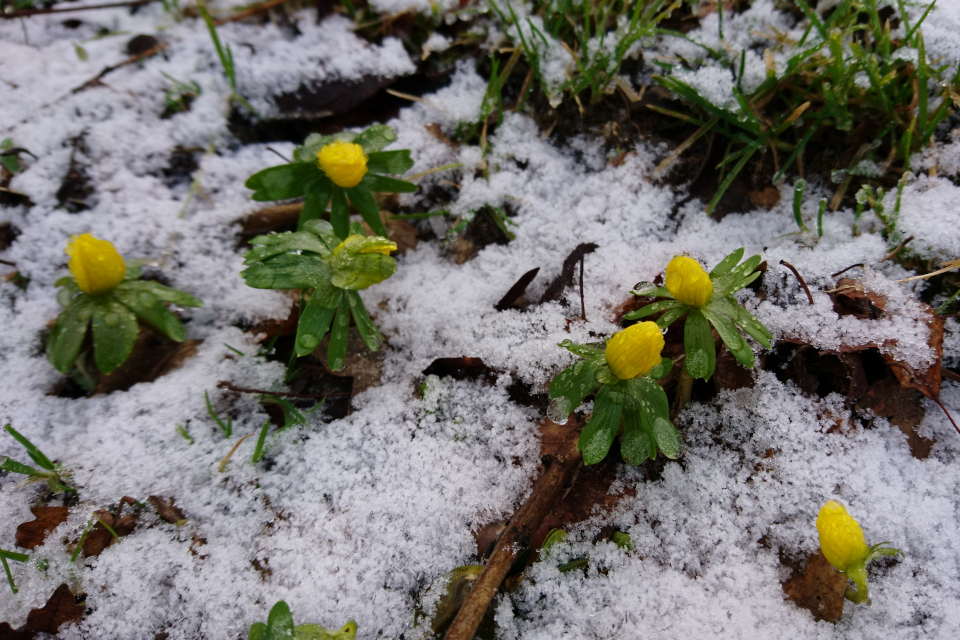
(353,518)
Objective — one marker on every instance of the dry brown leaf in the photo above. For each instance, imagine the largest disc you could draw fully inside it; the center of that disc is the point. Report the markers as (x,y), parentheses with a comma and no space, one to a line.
(62,607)
(903,407)
(166,510)
(818,588)
(33,533)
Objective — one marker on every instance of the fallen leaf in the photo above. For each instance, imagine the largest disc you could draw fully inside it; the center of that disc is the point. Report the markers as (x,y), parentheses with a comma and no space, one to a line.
(850,297)
(461,369)
(925,381)
(818,588)
(61,608)
(33,533)
(903,408)
(166,510)
(100,538)
(766,198)
(511,300)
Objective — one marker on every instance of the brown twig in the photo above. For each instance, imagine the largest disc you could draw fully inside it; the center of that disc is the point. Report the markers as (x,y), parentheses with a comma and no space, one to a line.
(223,384)
(583,307)
(251,11)
(92,82)
(516,538)
(834,275)
(949,417)
(896,251)
(23,13)
(799,279)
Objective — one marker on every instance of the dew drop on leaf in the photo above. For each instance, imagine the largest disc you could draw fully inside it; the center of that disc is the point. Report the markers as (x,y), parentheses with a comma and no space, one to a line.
(111,319)
(698,361)
(556,410)
(308,341)
(644,288)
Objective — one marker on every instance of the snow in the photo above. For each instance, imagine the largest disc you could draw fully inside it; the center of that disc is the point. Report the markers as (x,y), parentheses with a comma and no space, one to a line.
(353,518)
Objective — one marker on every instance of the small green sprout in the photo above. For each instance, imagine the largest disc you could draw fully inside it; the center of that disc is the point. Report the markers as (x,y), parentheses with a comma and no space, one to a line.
(225,54)
(708,300)
(279,626)
(330,170)
(331,271)
(106,293)
(17,557)
(625,371)
(9,155)
(48,471)
(226,427)
(180,94)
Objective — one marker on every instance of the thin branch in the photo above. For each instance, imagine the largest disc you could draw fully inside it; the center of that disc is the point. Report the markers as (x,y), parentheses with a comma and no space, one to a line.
(23,13)
(834,275)
(949,417)
(516,538)
(137,58)
(251,11)
(223,384)
(583,307)
(799,279)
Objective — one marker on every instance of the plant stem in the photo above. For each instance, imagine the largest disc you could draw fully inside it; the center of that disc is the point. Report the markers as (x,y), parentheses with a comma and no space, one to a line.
(516,538)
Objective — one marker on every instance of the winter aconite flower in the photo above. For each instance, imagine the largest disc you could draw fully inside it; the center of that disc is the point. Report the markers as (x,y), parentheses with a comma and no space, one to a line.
(687,282)
(843,545)
(345,163)
(330,271)
(105,294)
(334,170)
(707,301)
(635,350)
(628,399)
(96,265)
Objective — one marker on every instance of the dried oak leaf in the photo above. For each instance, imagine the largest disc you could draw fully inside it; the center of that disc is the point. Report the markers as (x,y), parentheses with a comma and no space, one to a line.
(818,588)
(903,407)
(61,608)
(167,510)
(33,533)
(100,538)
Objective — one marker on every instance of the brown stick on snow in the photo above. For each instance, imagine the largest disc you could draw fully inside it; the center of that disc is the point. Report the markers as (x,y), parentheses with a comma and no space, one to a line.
(516,538)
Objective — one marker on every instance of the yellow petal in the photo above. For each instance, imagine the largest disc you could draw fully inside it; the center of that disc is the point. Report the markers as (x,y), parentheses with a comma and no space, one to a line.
(688,282)
(345,163)
(95,264)
(634,351)
(357,244)
(841,538)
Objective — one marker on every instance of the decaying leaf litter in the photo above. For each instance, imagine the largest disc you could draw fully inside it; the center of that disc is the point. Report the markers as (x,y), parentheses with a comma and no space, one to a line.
(355,516)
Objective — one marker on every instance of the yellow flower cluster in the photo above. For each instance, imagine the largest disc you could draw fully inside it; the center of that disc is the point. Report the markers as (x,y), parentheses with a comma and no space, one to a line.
(345,163)
(633,352)
(95,264)
(841,538)
(688,282)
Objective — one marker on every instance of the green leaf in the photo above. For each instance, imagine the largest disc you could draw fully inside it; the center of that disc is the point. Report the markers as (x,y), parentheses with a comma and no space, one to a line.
(337,351)
(283,182)
(743,318)
(258,631)
(340,213)
(355,271)
(366,205)
(383,184)
(730,336)
(368,331)
(653,307)
(35,454)
(279,622)
(728,263)
(324,230)
(637,444)
(315,204)
(701,356)
(671,316)
(650,290)
(259,450)
(288,272)
(11,465)
(733,281)
(314,323)
(575,383)
(598,434)
(161,292)
(274,244)
(656,414)
(661,370)
(375,137)
(584,350)
(150,309)
(396,162)
(67,336)
(114,332)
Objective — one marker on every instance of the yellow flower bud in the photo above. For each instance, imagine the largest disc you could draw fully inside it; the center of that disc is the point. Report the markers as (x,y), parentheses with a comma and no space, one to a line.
(634,351)
(95,264)
(688,282)
(345,163)
(841,538)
